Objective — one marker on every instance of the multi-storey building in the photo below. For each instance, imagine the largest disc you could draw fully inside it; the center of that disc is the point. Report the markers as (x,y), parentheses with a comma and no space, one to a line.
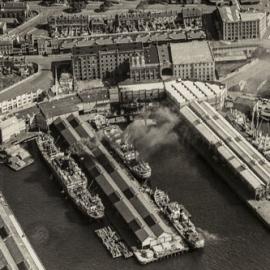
(145,67)
(108,61)
(10,101)
(18,10)
(129,22)
(6,47)
(193,60)
(64,25)
(192,17)
(235,24)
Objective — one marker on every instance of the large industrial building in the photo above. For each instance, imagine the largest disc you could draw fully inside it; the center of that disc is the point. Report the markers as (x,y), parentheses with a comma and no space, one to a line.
(93,62)
(131,206)
(193,60)
(184,92)
(235,24)
(138,62)
(244,168)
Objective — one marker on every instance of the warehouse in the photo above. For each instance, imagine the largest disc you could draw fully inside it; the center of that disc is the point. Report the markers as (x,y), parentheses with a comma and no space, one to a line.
(193,60)
(233,151)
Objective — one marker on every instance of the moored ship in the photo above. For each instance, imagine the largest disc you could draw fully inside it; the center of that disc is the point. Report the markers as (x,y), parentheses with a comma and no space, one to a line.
(99,121)
(70,177)
(180,218)
(126,151)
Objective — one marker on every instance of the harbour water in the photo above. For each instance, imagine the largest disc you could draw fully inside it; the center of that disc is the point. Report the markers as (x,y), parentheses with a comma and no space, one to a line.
(65,240)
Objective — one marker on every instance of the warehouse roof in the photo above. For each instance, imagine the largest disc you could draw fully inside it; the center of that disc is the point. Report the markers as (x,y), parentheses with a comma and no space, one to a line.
(225,151)
(59,107)
(191,52)
(232,14)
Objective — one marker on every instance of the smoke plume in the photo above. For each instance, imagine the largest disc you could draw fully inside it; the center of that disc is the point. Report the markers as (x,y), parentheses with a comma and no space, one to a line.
(149,137)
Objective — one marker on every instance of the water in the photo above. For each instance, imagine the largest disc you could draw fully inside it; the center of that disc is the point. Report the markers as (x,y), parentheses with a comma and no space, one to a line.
(65,240)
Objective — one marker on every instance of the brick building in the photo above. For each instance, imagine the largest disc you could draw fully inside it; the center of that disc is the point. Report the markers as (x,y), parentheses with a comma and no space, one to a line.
(6,47)
(235,24)
(145,67)
(193,60)
(71,25)
(18,10)
(100,62)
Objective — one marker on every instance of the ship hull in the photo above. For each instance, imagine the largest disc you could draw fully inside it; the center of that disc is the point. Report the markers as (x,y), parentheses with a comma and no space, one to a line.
(116,149)
(59,180)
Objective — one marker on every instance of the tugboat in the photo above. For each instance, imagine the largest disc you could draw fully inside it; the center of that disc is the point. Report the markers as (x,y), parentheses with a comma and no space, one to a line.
(126,151)
(180,218)
(70,177)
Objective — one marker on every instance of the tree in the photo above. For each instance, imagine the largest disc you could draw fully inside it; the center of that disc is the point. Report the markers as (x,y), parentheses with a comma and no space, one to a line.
(77,5)
(142,5)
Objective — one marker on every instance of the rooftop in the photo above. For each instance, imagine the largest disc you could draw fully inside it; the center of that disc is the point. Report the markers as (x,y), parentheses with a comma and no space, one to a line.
(85,47)
(191,12)
(8,122)
(14,5)
(185,91)
(151,55)
(59,107)
(191,52)
(94,95)
(232,14)
(15,92)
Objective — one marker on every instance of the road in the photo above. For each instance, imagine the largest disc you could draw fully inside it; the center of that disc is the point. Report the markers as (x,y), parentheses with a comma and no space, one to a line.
(42,80)
(41,18)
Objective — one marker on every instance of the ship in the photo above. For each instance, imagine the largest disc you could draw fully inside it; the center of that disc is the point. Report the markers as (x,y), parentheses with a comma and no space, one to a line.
(99,122)
(251,129)
(180,219)
(127,152)
(70,177)
(17,158)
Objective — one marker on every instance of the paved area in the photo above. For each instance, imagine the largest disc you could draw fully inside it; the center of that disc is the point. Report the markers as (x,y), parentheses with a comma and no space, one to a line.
(25,251)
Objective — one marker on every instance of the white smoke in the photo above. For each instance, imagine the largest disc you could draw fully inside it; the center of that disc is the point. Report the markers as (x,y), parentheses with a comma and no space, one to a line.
(211,238)
(148,138)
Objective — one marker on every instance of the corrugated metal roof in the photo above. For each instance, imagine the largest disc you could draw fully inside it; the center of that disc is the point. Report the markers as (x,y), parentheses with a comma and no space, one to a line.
(104,185)
(251,179)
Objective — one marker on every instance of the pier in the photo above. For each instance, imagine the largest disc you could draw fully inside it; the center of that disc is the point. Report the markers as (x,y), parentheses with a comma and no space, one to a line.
(249,171)
(153,237)
(16,250)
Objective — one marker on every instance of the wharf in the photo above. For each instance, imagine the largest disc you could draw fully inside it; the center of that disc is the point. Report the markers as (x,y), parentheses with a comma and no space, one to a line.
(153,236)
(238,162)
(21,138)
(16,250)
(262,210)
